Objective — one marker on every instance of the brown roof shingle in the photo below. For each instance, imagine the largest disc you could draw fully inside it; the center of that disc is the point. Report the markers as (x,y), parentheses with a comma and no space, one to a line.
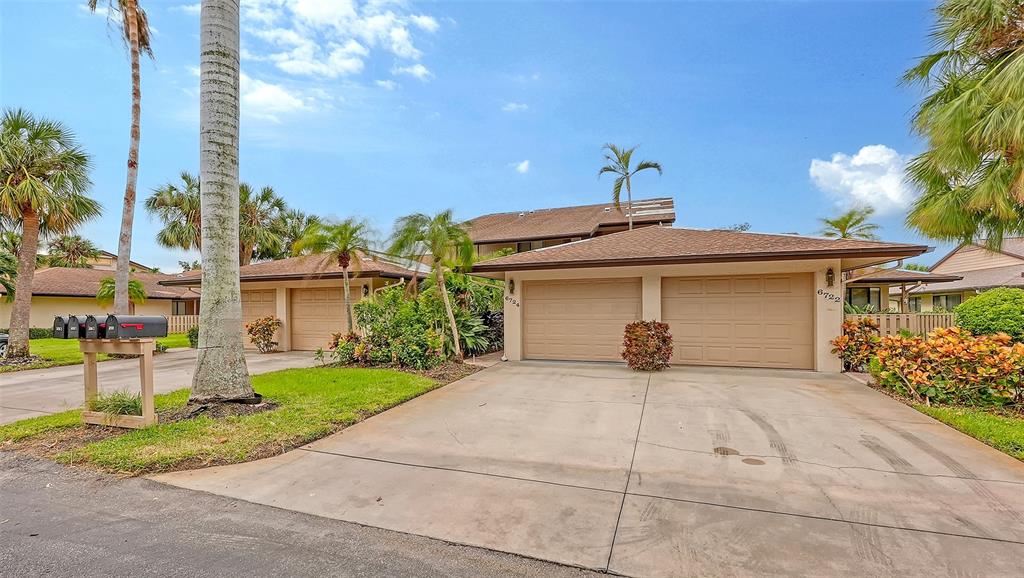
(1010,276)
(68,282)
(664,245)
(304,267)
(581,221)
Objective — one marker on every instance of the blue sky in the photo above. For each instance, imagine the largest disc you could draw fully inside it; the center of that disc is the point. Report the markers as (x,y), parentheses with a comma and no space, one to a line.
(772,113)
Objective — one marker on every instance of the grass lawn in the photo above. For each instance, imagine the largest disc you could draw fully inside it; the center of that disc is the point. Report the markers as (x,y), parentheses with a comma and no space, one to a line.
(310,404)
(1003,432)
(56,352)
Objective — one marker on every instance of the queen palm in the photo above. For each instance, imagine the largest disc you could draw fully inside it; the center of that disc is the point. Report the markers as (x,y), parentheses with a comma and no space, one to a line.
(259,222)
(852,224)
(72,251)
(447,244)
(620,164)
(344,243)
(220,373)
(136,291)
(135,28)
(43,179)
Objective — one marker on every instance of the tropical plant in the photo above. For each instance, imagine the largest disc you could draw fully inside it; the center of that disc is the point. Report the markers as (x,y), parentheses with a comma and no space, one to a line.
(647,345)
(994,311)
(857,344)
(220,373)
(972,175)
(852,224)
(916,267)
(261,331)
(8,273)
(136,34)
(43,179)
(620,164)
(177,206)
(294,226)
(193,265)
(259,222)
(106,293)
(73,251)
(344,243)
(448,245)
(397,329)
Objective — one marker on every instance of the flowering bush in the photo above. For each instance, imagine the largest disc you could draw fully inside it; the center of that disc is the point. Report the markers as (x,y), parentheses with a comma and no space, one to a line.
(952,366)
(261,331)
(856,346)
(647,345)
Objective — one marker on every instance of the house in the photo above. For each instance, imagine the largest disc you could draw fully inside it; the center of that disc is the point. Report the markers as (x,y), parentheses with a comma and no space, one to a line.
(60,291)
(107,261)
(305,293)
(527,230)
(730,298)
(881,289)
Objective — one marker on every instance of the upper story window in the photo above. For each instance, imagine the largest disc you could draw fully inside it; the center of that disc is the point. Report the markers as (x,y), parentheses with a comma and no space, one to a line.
(528,246)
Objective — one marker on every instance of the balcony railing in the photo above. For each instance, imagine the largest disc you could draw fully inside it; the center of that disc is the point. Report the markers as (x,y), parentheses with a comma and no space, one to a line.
(892,323)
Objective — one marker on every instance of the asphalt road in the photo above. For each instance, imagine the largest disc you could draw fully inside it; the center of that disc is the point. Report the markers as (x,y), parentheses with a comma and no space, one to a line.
(60,521)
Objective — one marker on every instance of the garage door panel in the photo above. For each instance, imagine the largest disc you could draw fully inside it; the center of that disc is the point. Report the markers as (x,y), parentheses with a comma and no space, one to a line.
(257,304)
(316,314)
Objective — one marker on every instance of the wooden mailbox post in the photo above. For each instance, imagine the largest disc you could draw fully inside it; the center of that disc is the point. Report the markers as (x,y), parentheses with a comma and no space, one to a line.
(144,348)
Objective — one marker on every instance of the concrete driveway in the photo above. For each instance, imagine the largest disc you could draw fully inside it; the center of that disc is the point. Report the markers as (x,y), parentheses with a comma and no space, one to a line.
(714,472)
(25,394)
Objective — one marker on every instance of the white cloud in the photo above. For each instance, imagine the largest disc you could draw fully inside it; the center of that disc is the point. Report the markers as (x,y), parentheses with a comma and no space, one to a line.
(191,9)
(522,167)
(266,100)
(424,22)
(387,84)
(418,70)
(874,177)
(514,107)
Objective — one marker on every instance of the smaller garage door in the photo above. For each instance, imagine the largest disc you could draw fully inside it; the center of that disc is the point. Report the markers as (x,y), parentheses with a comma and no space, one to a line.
(256,304)
(579,319)
(316,314)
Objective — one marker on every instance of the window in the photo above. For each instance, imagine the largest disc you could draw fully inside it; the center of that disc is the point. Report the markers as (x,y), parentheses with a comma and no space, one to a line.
(915,304)
(182,308)
(523,246)
(864,296)
(947,302)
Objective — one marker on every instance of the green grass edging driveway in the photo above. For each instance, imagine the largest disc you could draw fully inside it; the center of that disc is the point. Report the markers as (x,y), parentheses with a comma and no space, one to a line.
(1003,432)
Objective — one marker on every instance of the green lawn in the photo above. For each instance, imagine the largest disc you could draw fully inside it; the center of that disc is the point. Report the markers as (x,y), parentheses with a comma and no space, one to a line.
(57,352)
(1005,433)
(312,403)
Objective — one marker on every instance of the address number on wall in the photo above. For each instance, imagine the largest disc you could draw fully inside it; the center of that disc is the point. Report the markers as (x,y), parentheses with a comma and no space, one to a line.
(830,296)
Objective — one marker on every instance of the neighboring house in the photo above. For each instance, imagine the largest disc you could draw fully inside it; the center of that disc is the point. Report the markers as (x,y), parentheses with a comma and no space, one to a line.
(107,261)
(528,230)
(730,298)
(305,293)
(889,289)
(63,291)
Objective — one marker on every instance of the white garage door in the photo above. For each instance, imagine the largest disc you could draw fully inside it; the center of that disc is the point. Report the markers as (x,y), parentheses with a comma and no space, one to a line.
(316,315)
(751,321)
(579,319)
(256,304)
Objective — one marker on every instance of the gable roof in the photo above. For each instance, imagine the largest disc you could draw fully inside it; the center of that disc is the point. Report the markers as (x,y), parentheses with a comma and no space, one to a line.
(1012,246)
(664,245)
(69,282)
(319,266)
(1011,276)
(581,221)
(902,276)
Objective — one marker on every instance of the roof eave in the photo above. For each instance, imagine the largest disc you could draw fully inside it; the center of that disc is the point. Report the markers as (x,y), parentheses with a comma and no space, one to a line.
(197,281)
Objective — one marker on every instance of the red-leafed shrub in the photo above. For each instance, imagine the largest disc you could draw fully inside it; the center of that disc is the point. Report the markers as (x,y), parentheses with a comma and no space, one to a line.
(261,331)
(857,345)
(647,346)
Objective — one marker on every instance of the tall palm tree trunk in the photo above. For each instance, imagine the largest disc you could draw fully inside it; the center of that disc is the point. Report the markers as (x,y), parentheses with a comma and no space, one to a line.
(348,300)
(221,373)
(629,203)
(439,277)
(124,244)
(21,311)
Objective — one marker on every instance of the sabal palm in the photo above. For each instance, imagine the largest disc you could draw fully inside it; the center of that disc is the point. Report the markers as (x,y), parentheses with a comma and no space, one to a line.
(259,222)
(344,243)
(972,175)
(620,164)
(8,273)
(177,206)
(134,26)
(43,179)
(852,224)
(105,294)
(72,251)
(295,225)
(446,242)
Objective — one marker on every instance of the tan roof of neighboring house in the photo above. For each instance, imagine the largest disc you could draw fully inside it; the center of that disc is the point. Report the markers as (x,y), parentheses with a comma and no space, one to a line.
(305,267)
(69,282)
(1011,276)
(582,221)
(665,245)
(902,276)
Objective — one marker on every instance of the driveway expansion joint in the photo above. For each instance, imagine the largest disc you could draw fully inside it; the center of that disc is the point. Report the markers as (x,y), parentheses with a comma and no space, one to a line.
(629,474)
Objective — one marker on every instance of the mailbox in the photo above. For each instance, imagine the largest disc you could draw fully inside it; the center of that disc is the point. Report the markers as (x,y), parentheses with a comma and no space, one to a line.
(134,326)
(93,328)
(60,327)
(76,327)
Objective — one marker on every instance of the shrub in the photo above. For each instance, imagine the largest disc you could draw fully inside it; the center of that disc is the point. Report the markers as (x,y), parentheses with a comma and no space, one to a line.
(647,345)
(994,311)
(400,330)
(193,337)
(121,402)
(856,346)
(35,332)
(261,331)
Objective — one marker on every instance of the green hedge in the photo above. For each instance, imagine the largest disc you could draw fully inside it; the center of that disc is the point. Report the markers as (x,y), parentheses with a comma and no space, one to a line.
(36,332)
(994,311)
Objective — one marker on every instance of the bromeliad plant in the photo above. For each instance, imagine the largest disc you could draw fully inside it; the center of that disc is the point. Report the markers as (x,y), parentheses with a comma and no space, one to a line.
(261,331)
(857,345)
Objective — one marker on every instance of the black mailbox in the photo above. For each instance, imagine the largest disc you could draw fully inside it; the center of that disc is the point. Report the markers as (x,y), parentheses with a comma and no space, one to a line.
(60,327)
(76,327)
(133,326)
(93,328)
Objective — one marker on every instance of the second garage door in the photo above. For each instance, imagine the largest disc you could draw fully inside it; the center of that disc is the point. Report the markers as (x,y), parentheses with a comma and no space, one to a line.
(751,321)
(316,314)
(257,304)
(578,319)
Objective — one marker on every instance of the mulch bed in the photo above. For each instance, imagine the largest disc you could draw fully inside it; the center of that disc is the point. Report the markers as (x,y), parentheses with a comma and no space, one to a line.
(20,361)
(447,372)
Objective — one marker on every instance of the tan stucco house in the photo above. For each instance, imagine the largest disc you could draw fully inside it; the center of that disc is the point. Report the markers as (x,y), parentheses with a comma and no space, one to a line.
(730,298)
(305,293)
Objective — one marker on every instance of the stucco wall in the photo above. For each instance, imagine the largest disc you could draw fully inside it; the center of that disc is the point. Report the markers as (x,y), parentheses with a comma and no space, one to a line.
(44,309)
(828,313)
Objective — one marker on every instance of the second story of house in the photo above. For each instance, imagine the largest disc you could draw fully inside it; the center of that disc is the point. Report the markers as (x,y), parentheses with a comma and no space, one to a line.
(107,261)
(972,257)
(537,228)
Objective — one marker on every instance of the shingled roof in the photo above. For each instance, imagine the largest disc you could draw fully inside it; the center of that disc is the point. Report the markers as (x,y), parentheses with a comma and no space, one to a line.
(665,245)
(981,279)
(902,276)
(581,221)
(304,267)
(69,282)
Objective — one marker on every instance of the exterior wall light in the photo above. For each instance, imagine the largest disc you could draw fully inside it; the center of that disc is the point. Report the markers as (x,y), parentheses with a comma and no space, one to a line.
(511,286)
(830,277)
(366,290)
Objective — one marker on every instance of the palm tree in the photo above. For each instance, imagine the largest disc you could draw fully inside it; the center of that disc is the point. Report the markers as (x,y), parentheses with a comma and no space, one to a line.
(294,226)
(43,179)
(445,241)
(972,175)
(852,224)
(72,251)
(178,208)
(105,294)
(259,224)
(346,243)
(220,373)
(8,273)
(135,28)
(619,164)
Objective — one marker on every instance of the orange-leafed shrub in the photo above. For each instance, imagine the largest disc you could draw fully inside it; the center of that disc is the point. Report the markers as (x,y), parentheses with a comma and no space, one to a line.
(856,346)
(647,346)
(952,366)
(261,331)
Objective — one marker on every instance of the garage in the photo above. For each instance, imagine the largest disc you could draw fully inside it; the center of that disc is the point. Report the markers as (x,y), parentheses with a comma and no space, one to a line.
(579,319)
(742,321)
(316,315)
(256,304)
